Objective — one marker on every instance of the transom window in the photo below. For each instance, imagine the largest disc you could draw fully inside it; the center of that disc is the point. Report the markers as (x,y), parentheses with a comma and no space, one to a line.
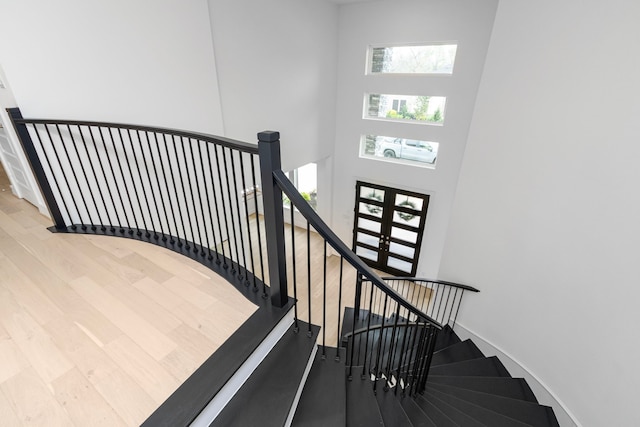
(412,59)
(412,108)
(399,149)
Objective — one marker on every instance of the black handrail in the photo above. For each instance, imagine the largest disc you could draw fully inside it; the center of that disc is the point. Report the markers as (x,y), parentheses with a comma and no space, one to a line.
(442,282)
(227,142)
(321,228)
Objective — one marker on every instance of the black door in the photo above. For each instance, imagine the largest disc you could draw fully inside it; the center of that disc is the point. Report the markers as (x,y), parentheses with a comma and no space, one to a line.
(389,223)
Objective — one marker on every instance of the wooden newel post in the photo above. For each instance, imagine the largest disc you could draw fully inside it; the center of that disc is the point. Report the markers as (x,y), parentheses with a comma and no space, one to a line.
(269,152)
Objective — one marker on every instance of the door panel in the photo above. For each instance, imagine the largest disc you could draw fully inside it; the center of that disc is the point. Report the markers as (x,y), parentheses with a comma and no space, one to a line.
(388,227)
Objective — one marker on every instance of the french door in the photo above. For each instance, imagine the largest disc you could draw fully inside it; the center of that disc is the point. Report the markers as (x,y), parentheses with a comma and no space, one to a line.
(389,222)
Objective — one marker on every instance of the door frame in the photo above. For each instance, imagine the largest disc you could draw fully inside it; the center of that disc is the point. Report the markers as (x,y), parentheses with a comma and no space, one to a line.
(388,207)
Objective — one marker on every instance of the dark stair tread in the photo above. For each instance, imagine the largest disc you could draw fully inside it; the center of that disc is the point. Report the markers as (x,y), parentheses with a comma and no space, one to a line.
(274,384)
(324,397)
(465,350)
(526,412)
(415,413)
(362,406)
(515,388)
(481,415)
(453,413)
(487,367)
(434,413)
(361,322)
(392,412)
(446,337)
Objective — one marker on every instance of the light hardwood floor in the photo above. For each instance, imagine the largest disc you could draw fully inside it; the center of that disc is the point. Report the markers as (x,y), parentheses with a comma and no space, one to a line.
(99,331)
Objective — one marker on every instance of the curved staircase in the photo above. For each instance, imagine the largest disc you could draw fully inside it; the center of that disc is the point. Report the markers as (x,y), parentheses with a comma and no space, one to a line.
(464,388)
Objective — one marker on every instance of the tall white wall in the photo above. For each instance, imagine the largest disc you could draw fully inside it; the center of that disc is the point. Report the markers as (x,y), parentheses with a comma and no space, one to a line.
(468,22)
(546,217)
(276,63)
(146,62)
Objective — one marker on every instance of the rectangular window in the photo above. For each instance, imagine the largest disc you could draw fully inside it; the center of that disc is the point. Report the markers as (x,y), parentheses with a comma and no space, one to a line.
(305,180)
(411,108)
(412,59)
(398,149)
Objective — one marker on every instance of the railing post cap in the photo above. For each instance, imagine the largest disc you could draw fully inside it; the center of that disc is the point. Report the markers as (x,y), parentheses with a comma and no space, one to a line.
(268,136)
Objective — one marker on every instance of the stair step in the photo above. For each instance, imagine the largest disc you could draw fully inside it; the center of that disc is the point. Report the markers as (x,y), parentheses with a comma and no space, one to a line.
(392,412)
(481,415)
(323,400)
(526,412)
(453,413)
(362,406)
(465,350)
(515,388)
(361,321)
(274,384)
(487,367)
(434,413)
(446,337)
(416,415)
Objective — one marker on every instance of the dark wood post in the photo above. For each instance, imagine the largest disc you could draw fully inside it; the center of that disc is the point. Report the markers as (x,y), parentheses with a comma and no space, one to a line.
(36,167)
(269,151)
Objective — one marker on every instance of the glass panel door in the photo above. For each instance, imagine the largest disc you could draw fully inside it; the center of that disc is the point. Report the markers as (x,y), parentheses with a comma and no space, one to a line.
(388,228)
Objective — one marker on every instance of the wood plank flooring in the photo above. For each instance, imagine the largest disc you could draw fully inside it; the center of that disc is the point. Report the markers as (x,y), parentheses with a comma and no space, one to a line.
(99,331)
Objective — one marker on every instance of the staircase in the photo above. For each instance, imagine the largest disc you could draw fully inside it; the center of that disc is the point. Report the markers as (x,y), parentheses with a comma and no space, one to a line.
(306,385)
(464,388)
(395,363)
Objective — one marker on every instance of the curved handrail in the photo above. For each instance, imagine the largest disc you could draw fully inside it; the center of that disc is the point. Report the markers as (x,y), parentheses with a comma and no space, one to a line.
(321,227)
(441,282)
(227,142)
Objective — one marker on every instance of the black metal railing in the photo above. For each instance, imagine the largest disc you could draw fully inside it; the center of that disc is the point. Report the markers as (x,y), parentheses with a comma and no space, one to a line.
(195,194)
(390,339)
(198,195)
(438,299)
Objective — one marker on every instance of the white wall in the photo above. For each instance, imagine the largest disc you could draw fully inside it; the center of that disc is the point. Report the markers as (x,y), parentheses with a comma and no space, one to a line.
(546,218)
(146,62)
(408,21)
(276,63)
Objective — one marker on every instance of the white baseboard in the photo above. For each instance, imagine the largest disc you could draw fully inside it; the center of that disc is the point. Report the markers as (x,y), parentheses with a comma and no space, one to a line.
(517,370)
(217,404)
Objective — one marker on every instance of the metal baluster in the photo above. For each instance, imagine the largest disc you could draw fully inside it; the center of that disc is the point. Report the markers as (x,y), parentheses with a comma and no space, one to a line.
(184,192)
(339,312)
(86,178)
(193,200)
(457,309)
(237,193)
(392,345)
(204,185)
(250,243)
(215,205)
(380,341)
(84,173)
(161,194)
(166,184)
(403,348)
(224,212)
(156,210)
(115,181)
(308,273)
(124,181)
(366,343)
(53,175)
(233,223)
(62,169)
(106,183)
(255,193)
(296,328)
(324,301)
(95,177)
